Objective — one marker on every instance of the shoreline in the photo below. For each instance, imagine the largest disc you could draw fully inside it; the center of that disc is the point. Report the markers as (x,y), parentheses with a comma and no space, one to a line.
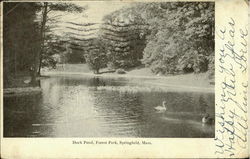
(138,77)
(168,82)
(8,92)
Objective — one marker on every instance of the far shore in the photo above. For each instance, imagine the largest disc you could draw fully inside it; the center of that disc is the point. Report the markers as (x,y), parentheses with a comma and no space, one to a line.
(184,82)
(142,77)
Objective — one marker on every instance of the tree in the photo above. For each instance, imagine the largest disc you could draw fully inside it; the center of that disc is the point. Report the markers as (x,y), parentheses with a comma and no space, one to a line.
(54,45)
(80,36)
(21,39)
(123,33)
(181,38)
(96,56)
(46,8)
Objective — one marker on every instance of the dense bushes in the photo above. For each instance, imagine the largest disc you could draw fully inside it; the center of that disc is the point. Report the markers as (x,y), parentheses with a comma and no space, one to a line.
(120,71)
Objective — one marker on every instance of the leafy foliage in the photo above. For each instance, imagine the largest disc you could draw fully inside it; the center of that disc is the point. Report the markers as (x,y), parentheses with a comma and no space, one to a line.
(95,56)
(53,46)
(46,56)
(181,39)
(19,36)
(168,37)
(124,35)
(69,7)
(76,56)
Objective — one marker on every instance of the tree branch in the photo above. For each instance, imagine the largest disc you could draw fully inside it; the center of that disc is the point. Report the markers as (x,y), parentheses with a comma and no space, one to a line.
(12,9)
(48,11)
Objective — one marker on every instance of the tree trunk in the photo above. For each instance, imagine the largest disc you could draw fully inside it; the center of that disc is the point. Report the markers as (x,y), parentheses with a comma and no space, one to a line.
(33,78)
(42,34)
(38,57)
(40,66)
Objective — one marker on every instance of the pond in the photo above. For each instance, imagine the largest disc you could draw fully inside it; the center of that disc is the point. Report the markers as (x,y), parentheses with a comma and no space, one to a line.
(78,106)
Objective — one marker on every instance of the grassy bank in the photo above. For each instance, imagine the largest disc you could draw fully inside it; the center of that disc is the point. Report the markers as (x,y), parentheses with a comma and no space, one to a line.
(188,82)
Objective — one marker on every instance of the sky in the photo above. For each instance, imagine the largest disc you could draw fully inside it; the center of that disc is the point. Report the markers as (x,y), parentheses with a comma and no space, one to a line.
(96,10)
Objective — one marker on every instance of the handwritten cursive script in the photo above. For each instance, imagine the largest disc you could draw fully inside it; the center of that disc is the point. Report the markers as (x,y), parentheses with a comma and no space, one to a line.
(231,111)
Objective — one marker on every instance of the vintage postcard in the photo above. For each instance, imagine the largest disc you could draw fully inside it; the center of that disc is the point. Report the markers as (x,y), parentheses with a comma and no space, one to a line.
(124,79)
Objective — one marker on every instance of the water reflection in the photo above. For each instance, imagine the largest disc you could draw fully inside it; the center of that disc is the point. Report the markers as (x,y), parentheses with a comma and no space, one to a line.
(75,107)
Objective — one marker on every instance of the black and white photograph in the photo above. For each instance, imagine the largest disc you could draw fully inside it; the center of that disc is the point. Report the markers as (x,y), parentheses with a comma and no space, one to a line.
(110,69)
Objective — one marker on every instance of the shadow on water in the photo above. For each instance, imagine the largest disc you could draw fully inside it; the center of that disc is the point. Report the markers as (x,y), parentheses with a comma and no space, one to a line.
(109,71)
(76,107)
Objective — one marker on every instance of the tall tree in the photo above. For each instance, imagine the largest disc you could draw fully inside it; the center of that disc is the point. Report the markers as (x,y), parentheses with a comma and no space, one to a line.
(95,55)
(46,8)
(20,39)
(178,37)
(124,33)
(181,38)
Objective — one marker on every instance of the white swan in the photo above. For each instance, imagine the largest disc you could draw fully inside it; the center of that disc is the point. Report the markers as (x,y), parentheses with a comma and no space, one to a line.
(163,107)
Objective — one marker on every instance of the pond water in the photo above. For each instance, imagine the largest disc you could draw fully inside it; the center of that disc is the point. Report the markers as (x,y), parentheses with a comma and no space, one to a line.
(76,106)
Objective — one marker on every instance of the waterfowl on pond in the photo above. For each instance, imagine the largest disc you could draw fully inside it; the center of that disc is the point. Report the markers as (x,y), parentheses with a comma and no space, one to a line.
(163,107)
(207,119)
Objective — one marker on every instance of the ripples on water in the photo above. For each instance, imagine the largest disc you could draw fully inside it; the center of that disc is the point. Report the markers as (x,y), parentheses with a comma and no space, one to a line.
(96,107)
